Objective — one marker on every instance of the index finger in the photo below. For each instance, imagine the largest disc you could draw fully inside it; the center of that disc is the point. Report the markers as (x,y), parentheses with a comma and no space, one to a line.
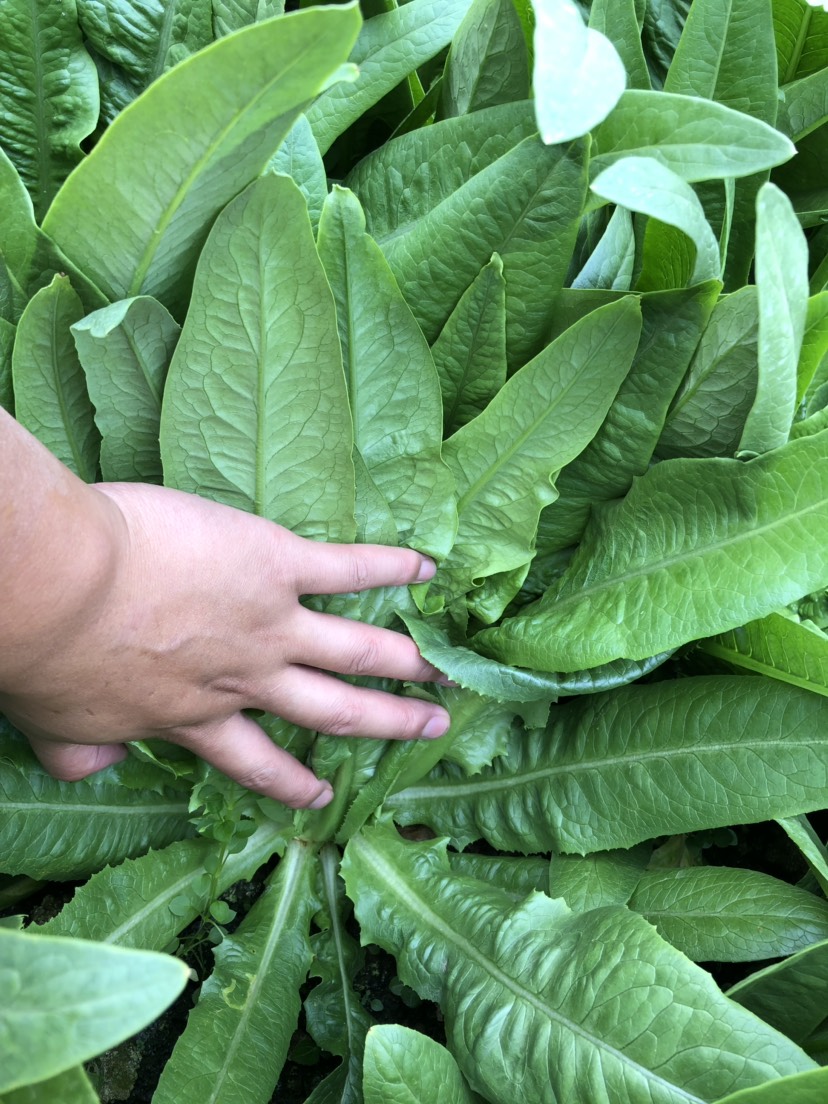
(343,568)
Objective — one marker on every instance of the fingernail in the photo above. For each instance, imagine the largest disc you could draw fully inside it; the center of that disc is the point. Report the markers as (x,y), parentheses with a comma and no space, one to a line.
(437,726)
(444,680)
(427,570)
(325,798)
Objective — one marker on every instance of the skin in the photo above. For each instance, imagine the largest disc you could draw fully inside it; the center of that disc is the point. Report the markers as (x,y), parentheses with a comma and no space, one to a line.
(133,612)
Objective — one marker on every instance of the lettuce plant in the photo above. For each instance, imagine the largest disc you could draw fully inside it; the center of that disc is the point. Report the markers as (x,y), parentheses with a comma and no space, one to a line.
(539,290)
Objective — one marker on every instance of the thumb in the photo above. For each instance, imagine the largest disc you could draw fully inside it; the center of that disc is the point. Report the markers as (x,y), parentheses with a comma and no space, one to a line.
(242,751)
(72,762)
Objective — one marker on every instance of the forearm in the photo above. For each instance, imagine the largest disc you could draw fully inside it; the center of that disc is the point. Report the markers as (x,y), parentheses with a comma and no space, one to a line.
(56,555)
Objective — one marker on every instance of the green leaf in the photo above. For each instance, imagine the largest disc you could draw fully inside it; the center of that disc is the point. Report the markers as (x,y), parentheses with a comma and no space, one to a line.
(802,1088)
(522,201)
(522,984)
(789,995)
(60,830)
(232,15)
(130,905)
(48,93)
(697,139)
(389,47)
(487,63)
(51,399)
(721,57)
(645,185)
(663,24)
(30,259)
(393,387)
(716,914)
(611,263)
(778,647)
(142,39)
(782,286)
(642,761)
(619,21)
(299,157)
(592,881)
(70,1087)
(517,877)
(125,350)
(578,76)
(708,414)
(470,353)
(404,1067)
(622,449)
(512,684)
(7,335)
(142,234)
(814,345)
(66,1000)
(801,39)
(749,543)
(504,461)
(255,413)
(335,1019)
(800,830)
(249,1006)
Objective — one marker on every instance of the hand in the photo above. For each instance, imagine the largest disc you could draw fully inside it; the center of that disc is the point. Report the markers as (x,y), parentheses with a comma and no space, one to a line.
(198,617)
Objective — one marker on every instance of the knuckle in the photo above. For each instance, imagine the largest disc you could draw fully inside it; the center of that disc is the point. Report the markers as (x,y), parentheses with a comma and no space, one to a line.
(262,778)
(366,657)
(344,718)
(359,571)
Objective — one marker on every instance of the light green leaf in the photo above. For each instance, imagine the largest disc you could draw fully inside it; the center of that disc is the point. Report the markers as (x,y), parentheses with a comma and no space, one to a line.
(389,47)
(623,447)
(60,830)
(708,414)
(513,684)
(517,877)
(592,881)
(802,1088)
(142,233)
(141,39)
(645,185)
(66,1000)
(71,1087)
(716,914)
(470,353)
(778,647)
(393,387)
(504,461)
(237,1036)
(523,984)
(51,399)
(800,830)
(48,93)
(125,350)
(255,414)
(697,139)
(619,21)
(782,286)
(487,63)
(750,542)
(522,201)
(404,1067)
(578,76)
(642,761)
(801,38)
(232,15)
(299,157)
(789,995)
(611,263)
(130,905)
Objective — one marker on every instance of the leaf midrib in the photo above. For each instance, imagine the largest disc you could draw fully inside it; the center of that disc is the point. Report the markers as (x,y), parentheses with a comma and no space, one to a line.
(413,902)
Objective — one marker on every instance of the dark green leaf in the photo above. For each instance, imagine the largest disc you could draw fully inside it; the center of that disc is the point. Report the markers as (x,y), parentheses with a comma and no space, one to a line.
(592,881)
(487,63)
(71,1087)
(778,647)
(803,1088)
(619,20)
(789,995)
(232,15)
